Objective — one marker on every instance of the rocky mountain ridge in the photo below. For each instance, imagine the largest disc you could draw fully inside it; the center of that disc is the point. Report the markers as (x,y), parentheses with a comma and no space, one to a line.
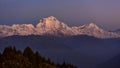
(52,26)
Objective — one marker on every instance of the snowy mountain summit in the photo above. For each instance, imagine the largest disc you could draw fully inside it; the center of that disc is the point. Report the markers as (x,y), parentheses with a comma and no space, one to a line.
(52,26)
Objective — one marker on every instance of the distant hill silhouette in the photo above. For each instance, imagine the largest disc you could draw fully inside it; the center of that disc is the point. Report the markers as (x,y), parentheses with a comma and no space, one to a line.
(83,51)
(111,63)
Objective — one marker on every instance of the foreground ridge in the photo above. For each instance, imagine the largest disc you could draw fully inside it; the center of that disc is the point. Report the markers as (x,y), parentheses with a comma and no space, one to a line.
(52,26)
(12,58)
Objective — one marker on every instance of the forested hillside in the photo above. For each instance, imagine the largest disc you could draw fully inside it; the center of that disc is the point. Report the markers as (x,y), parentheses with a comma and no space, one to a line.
(12,58)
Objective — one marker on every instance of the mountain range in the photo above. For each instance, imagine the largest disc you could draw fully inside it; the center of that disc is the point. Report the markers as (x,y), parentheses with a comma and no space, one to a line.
(86,46)
(52,26)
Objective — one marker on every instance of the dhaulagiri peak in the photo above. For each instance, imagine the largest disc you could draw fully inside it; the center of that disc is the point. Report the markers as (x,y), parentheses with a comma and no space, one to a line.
(52,20)
(48,22)
(52,26)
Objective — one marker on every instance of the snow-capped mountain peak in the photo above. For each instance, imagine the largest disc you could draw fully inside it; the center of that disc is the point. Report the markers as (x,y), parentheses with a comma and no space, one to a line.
(52,26)
(51,18)
(92,25)
(89,26)
(49,22)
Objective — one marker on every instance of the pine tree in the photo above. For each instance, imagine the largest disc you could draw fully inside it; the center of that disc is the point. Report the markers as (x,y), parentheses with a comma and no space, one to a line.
(14,59)
(38,59)
(8,53)
(30,55)
(0,54)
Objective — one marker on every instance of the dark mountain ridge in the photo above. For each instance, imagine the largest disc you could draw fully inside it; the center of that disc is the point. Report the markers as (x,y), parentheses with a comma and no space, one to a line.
(84,51)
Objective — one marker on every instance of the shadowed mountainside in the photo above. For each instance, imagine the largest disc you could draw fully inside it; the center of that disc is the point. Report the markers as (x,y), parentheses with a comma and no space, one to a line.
(83,51)
(111,63)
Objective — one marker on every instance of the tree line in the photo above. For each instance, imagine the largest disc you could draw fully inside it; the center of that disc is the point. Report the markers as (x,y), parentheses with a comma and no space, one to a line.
(12,58)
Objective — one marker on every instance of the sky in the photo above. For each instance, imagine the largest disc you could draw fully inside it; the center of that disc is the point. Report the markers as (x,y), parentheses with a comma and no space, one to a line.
(104,13)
